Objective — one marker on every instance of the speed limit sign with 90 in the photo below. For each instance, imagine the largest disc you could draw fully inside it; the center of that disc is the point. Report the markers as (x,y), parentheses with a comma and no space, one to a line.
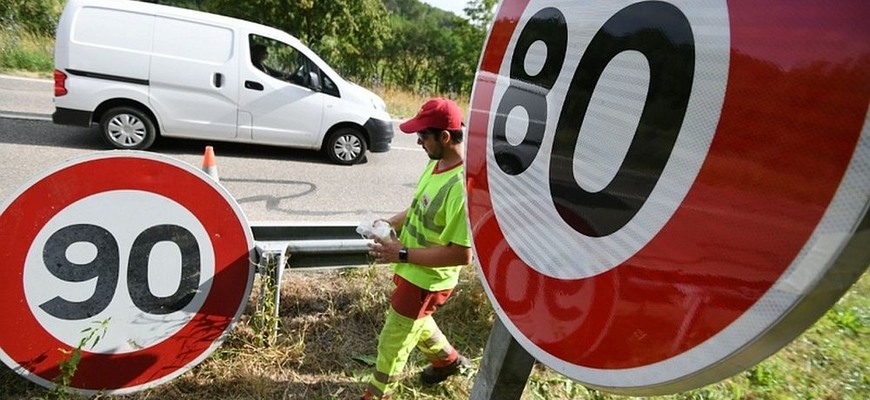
(151,248)
(662,193)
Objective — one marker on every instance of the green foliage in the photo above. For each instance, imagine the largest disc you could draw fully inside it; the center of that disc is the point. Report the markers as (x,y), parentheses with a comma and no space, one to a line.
(848,321)
(330,322)
(35,16)
(434,52)
(265,322)
(24,51)
(542,387)
(762,375)
(26,35)
(377,43)
(69,366)
(401,43)
(480,14)
(348,34)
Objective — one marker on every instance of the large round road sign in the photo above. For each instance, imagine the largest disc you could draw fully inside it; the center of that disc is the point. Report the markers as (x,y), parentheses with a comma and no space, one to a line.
(664,193)
(145,246)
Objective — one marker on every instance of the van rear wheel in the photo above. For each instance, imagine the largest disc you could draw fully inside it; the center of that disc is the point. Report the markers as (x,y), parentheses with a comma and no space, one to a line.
(128,128)
(346,146)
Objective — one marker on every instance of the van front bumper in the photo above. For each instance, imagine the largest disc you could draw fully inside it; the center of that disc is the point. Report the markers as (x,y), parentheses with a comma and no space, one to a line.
(68,116)
(380,134)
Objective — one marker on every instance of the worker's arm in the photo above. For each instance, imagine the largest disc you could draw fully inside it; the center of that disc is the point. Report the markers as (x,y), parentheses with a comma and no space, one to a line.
(433,256)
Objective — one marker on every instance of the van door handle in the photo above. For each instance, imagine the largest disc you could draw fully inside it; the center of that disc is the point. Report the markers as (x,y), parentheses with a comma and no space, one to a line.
(218,79)
(253,85)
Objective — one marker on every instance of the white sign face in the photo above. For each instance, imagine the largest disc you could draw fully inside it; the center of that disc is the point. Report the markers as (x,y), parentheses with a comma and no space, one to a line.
(663,193)
(603,137)
(155,288)
(158,255)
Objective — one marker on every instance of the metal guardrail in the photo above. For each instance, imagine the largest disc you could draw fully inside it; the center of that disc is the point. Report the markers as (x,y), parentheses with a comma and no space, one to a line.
(312,245)
(304,245)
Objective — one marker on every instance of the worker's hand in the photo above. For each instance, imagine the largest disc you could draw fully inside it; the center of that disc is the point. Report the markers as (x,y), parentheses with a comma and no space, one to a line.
(396,227)
(385,250)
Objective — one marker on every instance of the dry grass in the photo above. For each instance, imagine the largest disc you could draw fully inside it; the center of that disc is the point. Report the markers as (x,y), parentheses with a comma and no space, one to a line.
(403,104)
(329,327)
(26,54)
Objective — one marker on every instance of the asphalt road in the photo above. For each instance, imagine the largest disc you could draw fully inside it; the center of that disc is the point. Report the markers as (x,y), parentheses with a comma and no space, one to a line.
(270,183)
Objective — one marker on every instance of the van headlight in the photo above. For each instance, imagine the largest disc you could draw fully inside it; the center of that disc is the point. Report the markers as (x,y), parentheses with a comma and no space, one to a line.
(379,104)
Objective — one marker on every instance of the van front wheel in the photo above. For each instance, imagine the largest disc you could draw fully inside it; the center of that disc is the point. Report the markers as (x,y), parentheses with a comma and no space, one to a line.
(346,146)
(128,128)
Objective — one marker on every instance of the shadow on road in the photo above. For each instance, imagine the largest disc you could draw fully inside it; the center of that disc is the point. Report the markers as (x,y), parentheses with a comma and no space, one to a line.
(45,133)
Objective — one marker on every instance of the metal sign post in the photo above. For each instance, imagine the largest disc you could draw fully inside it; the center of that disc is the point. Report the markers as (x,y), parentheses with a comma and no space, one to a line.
(505,367)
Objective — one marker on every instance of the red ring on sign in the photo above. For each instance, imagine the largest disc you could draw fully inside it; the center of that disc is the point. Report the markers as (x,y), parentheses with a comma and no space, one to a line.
(36,350)
(757,203)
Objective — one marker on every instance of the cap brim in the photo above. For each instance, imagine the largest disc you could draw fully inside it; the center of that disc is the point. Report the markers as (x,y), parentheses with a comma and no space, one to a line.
(412,125)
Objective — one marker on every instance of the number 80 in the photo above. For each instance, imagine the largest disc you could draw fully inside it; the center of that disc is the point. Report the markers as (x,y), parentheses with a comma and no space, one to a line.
(659,31)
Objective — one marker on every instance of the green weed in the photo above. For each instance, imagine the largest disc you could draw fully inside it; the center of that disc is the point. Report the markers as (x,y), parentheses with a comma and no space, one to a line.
(25,52)
(68,366)
(265,320)
(848,321)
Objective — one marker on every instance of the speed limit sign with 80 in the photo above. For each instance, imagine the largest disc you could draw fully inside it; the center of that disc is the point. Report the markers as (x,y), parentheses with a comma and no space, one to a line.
(663,193)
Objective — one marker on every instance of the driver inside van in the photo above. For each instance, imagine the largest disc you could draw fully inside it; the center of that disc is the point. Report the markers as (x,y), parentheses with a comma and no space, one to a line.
(259,53)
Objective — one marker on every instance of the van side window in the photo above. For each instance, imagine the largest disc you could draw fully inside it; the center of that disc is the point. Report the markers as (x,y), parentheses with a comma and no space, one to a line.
(280,61)
(329,87)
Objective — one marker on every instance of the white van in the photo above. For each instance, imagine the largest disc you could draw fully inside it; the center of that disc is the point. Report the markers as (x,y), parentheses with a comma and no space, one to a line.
(142,70)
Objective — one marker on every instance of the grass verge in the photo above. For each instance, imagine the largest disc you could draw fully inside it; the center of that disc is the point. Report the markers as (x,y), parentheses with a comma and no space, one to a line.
(329,327)
(403,104)
(26,54)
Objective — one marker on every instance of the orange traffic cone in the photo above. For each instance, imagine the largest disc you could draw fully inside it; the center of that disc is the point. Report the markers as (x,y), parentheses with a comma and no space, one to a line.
(209,166)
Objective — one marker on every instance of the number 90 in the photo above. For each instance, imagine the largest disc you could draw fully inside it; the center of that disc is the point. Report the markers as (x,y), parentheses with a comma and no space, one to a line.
(105,267)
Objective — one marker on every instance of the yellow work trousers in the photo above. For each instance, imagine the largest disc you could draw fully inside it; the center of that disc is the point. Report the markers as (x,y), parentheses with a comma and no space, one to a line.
(398,338)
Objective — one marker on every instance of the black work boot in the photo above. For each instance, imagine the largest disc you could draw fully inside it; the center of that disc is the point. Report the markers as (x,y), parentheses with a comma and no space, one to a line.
(432,375)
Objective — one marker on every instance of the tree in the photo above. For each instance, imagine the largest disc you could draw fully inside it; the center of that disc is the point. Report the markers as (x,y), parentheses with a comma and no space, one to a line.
(480,13)
(433,50)
(39,17)
(348,34)
(403,43)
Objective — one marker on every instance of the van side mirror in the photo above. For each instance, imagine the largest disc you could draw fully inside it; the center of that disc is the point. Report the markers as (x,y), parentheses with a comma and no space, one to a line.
(314,81)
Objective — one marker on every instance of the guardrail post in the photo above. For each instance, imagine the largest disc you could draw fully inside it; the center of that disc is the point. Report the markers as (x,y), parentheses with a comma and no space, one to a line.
(276,287)
(312,247)
(265,319)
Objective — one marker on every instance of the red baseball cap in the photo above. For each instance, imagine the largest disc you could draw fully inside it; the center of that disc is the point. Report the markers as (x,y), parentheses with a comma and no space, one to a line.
(437,113)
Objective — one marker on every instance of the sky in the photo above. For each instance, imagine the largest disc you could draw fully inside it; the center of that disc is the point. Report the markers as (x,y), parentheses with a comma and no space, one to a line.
(454,6)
